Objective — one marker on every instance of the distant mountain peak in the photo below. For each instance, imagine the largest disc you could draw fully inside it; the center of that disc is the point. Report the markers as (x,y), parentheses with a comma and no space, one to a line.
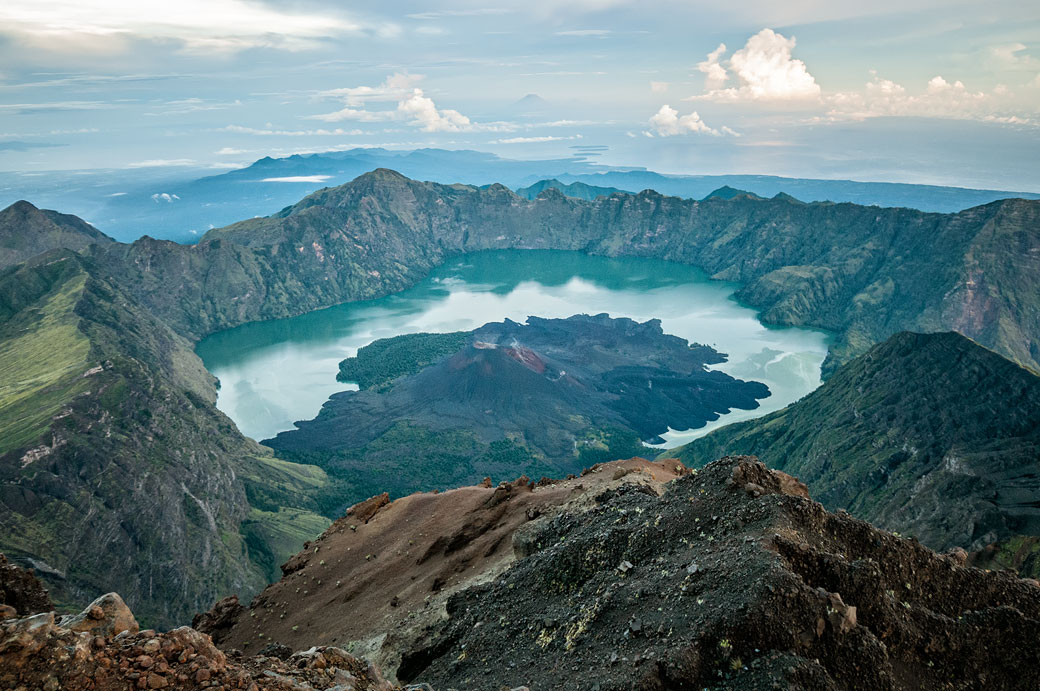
(381,174)
(532,100)
(727,192)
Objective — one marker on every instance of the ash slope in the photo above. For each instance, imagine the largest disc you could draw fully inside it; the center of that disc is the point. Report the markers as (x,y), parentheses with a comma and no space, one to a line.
(928,434)
(643,575)
(732,579)
(554,391)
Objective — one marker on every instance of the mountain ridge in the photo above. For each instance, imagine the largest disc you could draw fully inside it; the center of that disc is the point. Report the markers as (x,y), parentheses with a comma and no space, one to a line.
(929,434)
(857,271)
(26,231)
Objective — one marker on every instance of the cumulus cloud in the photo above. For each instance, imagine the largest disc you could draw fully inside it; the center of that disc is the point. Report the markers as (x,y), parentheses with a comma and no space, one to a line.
(667,123)
(938,98)
(765,69)
(395,87)
(715,75)
(164,197)
(422,111)
(413,107)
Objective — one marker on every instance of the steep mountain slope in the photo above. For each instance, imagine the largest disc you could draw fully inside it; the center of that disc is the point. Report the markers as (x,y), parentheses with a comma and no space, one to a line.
(26,231)
(931,435)
(862,272)
(384,571)
(549,397)
(116,469)
(642,575)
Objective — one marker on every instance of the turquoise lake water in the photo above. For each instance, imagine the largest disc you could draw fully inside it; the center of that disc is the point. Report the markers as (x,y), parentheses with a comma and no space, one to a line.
(274,373)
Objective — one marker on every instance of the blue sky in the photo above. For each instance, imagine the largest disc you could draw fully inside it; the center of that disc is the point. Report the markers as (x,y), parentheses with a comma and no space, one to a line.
(909,91)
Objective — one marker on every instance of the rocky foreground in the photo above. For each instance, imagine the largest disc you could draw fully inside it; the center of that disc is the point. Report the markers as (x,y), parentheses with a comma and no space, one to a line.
(636,575)
(103,649)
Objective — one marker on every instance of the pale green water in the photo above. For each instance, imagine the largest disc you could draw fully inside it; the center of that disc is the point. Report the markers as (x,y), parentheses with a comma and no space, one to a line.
(273,373)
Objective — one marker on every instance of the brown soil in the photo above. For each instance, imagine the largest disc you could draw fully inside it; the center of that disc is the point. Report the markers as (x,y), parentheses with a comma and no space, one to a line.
(386,569)
(101,649)
(21,591)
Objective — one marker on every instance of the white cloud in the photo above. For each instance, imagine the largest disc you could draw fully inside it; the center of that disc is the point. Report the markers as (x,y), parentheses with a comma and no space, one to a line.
(533,140)
(395,87)
(422,111)
(355,115)
(658,87)
(299,178)
(716,75)
(939,98)
(1012,55)
(765,69)
(163,163)
(476,12)
(229,151)
(210,25)
(292,133)
(164,197)
(667,123)
(413,107)
(586,33)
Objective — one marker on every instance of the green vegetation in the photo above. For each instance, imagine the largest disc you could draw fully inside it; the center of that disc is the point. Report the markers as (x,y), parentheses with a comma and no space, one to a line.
(1020,553)
(116,470)
(43,357)
(382,361)
(411,458)
(930,435)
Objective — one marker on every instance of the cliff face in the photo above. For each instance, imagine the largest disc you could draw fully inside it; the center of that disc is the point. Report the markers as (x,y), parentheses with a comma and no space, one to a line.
(928,434)
(116,469)
(863,272)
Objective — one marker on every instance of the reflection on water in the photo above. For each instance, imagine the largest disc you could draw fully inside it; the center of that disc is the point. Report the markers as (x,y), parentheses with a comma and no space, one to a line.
(274,373)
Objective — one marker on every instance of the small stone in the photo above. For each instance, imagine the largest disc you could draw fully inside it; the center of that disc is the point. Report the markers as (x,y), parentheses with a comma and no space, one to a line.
(157,682)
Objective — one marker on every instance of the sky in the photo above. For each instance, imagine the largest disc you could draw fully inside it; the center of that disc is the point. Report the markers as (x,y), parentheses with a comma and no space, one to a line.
(929,91)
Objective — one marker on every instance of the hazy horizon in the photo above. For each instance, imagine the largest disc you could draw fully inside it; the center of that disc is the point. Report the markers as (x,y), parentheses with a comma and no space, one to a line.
(919,91)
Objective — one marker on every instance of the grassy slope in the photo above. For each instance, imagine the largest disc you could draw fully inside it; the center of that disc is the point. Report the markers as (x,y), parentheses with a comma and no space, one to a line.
(43,356)
(128,478)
